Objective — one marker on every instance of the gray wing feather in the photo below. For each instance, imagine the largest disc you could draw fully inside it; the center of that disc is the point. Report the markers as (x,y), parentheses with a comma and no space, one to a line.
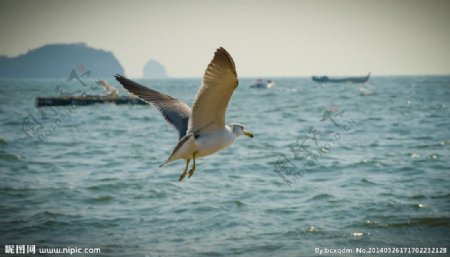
(176,112)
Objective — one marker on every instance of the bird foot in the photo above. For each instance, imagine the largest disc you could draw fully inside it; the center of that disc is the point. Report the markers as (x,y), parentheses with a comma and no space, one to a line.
(191,172)
(182,176)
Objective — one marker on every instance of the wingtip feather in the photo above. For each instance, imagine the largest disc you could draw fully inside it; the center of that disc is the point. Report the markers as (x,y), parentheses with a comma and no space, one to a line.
(164,163)
(119,77)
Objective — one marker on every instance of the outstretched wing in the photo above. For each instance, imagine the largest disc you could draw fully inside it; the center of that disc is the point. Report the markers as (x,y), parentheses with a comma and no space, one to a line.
(219,82)
(174,111)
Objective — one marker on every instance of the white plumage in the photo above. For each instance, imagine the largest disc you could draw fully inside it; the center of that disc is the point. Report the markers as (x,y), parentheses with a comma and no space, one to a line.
(202,130)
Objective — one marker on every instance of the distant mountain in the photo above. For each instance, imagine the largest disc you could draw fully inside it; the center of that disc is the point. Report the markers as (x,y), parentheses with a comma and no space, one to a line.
(154,70)
(58,60)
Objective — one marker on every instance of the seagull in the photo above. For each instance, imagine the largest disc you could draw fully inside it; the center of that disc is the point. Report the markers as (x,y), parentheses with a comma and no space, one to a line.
(202,130)
(110,91)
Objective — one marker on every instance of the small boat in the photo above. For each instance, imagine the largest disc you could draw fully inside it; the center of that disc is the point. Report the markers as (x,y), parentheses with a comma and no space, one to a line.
(325,79)
(260,83)
(85,100)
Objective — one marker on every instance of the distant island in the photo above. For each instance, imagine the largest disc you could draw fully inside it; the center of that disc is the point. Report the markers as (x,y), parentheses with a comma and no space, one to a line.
(154,70)
(58,60)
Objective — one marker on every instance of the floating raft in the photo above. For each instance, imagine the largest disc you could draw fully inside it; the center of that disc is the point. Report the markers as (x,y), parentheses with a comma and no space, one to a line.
(85,100)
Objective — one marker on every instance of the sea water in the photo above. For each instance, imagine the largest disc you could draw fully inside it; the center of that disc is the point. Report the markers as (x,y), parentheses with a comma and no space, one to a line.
(331,167)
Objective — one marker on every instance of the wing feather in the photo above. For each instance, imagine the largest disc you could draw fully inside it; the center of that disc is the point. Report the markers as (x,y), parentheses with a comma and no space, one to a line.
(219,82)
(174,111)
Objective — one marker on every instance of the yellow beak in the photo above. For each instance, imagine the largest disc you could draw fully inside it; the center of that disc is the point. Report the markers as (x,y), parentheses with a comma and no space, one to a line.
(248,133)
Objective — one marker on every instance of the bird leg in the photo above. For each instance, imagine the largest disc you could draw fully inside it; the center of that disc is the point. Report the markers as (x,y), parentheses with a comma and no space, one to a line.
(185,169)
(192,170)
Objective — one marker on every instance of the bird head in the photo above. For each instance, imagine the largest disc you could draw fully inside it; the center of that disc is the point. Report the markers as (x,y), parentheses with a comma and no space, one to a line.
(238,129)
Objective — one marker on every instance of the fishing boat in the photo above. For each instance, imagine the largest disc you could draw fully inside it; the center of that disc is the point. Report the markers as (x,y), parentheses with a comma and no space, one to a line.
(326,79)
(260,83)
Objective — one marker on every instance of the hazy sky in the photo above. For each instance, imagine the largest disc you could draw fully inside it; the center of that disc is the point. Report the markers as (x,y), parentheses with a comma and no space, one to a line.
(265,38)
